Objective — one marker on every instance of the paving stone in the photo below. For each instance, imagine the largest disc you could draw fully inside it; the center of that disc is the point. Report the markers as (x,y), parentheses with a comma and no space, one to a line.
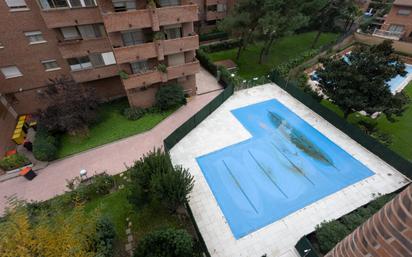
(128,247)
(128,231)
(130,238)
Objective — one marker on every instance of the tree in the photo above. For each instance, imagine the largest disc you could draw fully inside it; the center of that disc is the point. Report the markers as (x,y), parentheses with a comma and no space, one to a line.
(329,12)
(280,18)
(165,243)
(243,21)
(172,188)
(48,234)
(360,84)
(71,107)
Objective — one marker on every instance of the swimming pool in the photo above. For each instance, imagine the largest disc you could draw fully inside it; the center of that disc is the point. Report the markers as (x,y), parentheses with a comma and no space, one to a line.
(398,83)
(285,166)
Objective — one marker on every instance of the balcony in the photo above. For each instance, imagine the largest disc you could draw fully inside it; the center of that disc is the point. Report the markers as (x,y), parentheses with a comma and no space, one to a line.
(149,18)
(388,34)
(154,76)
(156,49)
(65,17)
(75,48)
(95,73)
(215,2)
(211,15)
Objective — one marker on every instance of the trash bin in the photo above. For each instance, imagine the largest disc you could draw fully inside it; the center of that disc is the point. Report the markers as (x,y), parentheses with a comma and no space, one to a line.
(28,173)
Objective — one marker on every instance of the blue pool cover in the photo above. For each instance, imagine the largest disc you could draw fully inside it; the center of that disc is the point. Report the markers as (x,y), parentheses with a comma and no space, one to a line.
(285,166)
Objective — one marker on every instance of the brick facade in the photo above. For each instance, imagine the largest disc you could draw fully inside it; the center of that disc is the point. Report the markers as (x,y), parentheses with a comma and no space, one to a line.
(400,15)
(388,233)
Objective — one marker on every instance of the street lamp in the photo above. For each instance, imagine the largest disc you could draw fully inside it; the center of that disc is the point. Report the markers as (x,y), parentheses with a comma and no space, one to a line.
(306,251)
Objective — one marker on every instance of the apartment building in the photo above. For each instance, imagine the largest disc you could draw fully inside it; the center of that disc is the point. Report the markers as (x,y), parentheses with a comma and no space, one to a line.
(211,12)
(398,23)
(118,47)
(388,233)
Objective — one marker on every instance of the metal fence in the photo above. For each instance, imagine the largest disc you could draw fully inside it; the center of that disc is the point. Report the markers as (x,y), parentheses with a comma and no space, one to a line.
(383,152)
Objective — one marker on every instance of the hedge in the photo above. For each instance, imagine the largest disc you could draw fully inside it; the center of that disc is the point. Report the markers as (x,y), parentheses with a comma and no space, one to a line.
(213,35)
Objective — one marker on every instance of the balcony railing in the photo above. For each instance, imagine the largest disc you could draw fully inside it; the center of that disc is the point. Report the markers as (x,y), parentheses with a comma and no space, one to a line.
(388,34)
(154,76)
(157,49)
(57,18)
(147,18)
(95,73)
(75,48)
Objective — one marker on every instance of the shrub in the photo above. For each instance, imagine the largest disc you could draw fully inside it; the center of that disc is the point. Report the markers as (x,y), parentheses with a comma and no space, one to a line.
(142,172)
(165,243)
(172,188)
(284,68)
(330,233)
(206,62)
(221,46)
(98,185)
(134,113)
(104,238)
(170,96)
(213,35)
(44,145)
(13,162)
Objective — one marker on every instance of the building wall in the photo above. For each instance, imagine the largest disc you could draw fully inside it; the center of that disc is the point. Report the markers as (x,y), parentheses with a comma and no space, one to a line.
(400,46)
(17,51)
(388,233)
(393,18)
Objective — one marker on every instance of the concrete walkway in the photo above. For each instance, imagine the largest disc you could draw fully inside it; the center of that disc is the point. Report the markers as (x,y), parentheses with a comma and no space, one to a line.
(112,158)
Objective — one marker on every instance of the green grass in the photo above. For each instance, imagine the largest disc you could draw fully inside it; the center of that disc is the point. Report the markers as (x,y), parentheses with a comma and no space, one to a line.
(117,208)
(111,127)
(400,129)
(281,51)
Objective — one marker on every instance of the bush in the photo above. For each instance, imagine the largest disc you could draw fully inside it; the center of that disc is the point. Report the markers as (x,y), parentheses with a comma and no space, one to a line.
(330,233)
(221,46)
(170,96)
(206,62)
(142,172)
(213,35)
(134,113)
(104,238)
(284,68)
(99,185)
(172,188)
(165,243)
(44,145)
(13,162)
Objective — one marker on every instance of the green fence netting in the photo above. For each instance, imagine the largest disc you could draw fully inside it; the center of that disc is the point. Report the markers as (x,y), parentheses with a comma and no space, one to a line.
(305,248)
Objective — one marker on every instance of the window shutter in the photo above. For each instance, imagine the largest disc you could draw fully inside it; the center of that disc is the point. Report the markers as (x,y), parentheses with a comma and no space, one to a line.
(16,3)
(108,58)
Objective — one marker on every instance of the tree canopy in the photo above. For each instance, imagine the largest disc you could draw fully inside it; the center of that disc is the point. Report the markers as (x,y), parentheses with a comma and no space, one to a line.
(360,83)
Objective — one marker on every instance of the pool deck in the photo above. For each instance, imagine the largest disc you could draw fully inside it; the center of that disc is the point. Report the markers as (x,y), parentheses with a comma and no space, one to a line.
(222,129)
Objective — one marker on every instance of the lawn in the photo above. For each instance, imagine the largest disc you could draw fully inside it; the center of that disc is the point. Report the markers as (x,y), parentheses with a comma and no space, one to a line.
(112,126)
(400,129)
(281,51)
(117,208)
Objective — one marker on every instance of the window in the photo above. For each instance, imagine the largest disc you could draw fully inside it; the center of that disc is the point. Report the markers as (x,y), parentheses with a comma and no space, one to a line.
(16,4)
(173,31)
(108,58)
(50,65)
(50,4)
(221,7)
(35,37)
(134,37)
(396,28)
(91,31)
(139,67)
(404,12)
(11,72)
(96,59)
(122,6)
(70,33)
(169,2)
(79,63)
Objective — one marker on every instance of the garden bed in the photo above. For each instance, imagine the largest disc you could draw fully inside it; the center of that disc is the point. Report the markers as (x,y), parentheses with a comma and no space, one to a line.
(113,125)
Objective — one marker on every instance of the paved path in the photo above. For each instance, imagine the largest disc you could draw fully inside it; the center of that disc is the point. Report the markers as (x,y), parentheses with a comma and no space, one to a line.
(111,158)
